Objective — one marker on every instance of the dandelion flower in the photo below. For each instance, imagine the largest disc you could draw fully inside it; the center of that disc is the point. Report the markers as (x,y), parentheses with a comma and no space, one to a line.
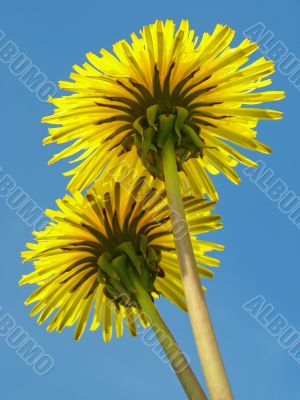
(123,101)
(84,257)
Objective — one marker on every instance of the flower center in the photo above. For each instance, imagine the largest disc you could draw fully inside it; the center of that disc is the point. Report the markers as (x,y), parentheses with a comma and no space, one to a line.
(153,130)
(126,248)
(153,116)
(115,270)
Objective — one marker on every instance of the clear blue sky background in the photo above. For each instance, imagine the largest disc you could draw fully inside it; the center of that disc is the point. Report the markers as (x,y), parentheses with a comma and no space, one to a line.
(262,245)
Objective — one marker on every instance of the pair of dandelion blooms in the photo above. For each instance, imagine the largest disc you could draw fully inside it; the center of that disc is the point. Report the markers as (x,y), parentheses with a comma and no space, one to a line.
(166,101)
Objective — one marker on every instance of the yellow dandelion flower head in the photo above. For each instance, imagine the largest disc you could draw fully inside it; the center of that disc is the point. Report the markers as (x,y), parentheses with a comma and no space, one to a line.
(165,81)
(84,258)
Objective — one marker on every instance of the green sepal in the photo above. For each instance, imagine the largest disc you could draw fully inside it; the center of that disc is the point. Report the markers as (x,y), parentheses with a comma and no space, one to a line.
(143,245)
(127,143)
(104,262)
(120,265)
(129,250)
(147,143)
(166,88)
(180,85)
(151,258)
(192,136)
(144,277)
(166,127)
(181,116)
(157,92)
(116,225)
(138,142)
(146,95)
(138,125)
(118,287)
(183,156)
(110,292)
(151,116)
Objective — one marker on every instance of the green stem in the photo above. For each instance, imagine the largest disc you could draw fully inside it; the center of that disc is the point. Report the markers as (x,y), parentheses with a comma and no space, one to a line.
(168,343)
(205,339)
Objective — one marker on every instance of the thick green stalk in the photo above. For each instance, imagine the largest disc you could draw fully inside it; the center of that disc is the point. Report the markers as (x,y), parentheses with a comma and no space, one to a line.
(206,343)
(168,343)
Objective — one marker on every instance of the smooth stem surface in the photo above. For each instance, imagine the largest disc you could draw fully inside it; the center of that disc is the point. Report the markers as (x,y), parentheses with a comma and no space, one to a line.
(168,343)
(207,347)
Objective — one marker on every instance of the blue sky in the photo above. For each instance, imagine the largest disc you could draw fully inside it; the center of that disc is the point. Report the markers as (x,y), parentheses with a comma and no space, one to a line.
(261,243)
